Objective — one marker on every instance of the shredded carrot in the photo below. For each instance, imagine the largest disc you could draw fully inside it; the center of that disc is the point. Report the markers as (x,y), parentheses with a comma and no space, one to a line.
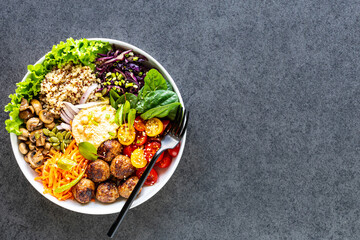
(53,177)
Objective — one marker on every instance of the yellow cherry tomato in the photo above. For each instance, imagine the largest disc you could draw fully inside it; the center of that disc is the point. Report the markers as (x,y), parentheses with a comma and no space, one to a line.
(126,135)
(138,158)
(153,127)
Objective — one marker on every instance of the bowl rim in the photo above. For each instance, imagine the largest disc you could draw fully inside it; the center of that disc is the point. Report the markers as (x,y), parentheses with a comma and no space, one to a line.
(116,206)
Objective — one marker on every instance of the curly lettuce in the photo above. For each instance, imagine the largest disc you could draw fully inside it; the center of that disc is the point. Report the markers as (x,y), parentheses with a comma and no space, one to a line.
(80,51)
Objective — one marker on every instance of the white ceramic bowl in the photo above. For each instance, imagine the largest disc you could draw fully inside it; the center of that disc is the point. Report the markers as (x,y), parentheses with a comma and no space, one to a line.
(98,208)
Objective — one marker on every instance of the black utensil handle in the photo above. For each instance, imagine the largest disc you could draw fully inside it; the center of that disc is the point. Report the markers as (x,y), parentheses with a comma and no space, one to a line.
(133,195)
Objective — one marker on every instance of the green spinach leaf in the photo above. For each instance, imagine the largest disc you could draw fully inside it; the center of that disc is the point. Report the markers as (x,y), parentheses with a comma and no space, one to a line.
(153,81)
(128,97)
(155,99)
(161,111)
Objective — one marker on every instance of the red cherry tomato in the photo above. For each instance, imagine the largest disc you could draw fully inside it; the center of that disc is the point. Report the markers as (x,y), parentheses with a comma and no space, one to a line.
(141,138)
(165,123)
(151,179)
(165,161)
(153,139)
(150,149)
(139,124)
(175,151)
(160,157)
(129,149)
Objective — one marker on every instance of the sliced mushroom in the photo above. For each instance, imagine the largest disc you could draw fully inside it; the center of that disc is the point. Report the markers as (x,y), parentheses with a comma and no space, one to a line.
(52,150)
(50,126)
(26,114)
(33,124)
(47,146)
(21,138)
(32,146)
(35,158)
(36,105)
(32,109)
(25,133)
(23,148)
(40,141)
(46,117)
(26,158)
(35,135)
(45,151)
(24,104)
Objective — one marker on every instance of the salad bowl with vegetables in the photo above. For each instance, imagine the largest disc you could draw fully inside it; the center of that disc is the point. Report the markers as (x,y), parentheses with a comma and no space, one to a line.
(86,120)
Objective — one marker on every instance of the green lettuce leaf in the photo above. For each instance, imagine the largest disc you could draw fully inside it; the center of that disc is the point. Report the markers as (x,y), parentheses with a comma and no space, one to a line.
(81,51)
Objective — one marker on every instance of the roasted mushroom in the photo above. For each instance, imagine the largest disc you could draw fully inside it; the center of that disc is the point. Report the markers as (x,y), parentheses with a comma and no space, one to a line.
(24,104)
(25,133)
(47,146)
(26,159)
(84,190)
(21,138)
(107,192)
(35,135)
(36,105)
(109,149)
(23,148)
(31,146)
(41,139)
(46,117)
(50,126)
(35,158)
(26,114)
(33,124)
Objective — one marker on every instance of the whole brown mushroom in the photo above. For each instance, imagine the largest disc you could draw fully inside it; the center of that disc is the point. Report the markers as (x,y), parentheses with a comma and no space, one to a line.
(107,192)
(109,149)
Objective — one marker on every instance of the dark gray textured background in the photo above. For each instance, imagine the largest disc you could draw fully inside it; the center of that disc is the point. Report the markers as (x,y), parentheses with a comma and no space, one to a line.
(273,143)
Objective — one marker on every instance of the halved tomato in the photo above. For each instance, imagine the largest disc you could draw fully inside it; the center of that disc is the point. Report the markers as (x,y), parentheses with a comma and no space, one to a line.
(153,127)
(165,161)
(150,149)
(175,151)
(141,138)
(165,124)
(138,159)
(129,149)
(126,135)
(139,124)
(151,179)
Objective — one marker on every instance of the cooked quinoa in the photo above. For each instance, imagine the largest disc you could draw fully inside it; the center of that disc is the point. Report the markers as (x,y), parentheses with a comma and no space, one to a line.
(67,84)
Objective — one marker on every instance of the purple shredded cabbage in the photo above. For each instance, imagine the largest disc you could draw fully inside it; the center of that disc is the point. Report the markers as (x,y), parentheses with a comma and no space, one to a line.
(123,71)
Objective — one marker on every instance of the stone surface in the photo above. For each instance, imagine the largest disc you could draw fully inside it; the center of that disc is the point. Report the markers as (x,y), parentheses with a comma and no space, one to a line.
(273,143)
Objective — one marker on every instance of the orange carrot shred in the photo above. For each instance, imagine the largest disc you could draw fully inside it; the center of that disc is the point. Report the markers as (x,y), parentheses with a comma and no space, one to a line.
(53,177)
